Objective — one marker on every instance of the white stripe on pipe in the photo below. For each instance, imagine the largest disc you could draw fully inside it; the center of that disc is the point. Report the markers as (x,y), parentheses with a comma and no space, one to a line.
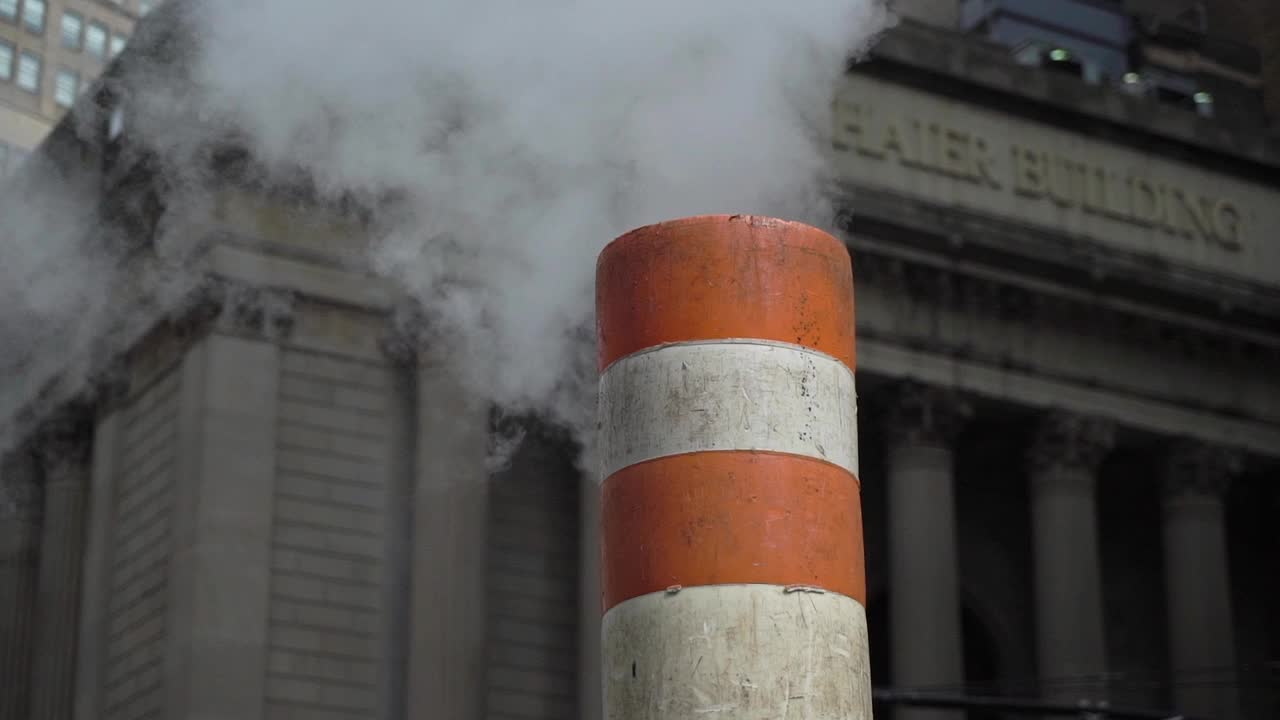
(747,652)
(727,395)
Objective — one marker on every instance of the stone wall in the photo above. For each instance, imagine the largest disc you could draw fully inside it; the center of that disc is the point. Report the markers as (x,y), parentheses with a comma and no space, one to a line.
(325,648)
(533,569)
(138,571)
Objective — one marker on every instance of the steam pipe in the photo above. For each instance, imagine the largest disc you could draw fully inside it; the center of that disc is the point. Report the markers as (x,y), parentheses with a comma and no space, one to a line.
(732,560)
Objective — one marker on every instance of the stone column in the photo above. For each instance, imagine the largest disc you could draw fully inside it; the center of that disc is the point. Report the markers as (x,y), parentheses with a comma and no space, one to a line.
(1070,642)
(64,445)
(1197,581)
(924,612)
(19,531)
(449,545)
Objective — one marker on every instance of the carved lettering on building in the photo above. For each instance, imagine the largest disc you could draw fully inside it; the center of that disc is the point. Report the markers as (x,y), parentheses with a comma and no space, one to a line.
(1036,174)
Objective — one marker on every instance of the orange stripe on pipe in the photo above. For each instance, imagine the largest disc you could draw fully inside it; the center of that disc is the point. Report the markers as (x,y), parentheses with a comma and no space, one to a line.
(724,276)
(711,518)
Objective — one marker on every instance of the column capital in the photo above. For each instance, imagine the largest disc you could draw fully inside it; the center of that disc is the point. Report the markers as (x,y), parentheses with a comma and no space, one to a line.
(402,340)
(1198,469)
(413,338)
(20,497)
(926,414)
(262,313)
(109,387)
(1070,441)
(63,445)
(237,308)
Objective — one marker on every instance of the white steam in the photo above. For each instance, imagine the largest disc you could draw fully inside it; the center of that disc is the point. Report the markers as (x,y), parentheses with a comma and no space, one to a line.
(521,136)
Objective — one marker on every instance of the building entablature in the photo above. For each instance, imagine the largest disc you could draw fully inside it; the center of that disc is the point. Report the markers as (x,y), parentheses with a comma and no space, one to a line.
(1043,199)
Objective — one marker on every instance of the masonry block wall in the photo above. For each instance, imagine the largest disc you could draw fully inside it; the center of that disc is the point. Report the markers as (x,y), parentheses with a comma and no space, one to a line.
(137,575)
(532,579)
(326,645)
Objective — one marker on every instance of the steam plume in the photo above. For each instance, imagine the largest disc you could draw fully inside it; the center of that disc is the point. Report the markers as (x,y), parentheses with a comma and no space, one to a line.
(520,136)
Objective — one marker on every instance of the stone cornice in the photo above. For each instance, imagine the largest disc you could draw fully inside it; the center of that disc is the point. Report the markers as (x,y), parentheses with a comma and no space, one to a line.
(948,61)
(1012,298)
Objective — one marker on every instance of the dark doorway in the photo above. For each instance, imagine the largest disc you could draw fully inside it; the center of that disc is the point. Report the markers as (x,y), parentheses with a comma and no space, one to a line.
(981,664)
(878,637)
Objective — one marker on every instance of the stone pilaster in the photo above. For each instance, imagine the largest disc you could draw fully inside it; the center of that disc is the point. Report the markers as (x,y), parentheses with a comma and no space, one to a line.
(216,639)
(1202,650)
(63,448)
(1063,464)
(925,612)
(20,506)
(449,520)
(110,393)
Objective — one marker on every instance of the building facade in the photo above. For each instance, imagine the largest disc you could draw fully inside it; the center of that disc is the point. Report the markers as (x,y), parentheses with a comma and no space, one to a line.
(275,503)
(50,51)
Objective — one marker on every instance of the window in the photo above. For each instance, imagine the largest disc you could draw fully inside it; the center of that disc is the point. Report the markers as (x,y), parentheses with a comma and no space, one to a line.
(72,30)
(33,15)
(95,39)
(64,88)
(117,44)
(29,72)
(6,61)
(9,9)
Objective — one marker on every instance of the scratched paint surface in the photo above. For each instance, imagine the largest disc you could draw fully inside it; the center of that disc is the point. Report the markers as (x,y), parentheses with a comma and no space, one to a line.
(728,395)
(746,652)
(715,277)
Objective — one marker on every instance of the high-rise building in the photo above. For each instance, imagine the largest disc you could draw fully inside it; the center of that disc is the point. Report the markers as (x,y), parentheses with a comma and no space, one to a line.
(50,51)
(273,502)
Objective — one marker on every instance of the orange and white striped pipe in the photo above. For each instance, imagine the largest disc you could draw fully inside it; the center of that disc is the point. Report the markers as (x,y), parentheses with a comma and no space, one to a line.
(732,560)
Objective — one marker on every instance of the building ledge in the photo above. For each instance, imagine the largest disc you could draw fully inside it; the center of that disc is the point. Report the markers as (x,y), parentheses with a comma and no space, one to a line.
(967,67)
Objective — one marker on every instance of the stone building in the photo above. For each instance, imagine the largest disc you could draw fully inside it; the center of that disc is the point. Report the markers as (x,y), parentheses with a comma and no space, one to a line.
(274,505)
